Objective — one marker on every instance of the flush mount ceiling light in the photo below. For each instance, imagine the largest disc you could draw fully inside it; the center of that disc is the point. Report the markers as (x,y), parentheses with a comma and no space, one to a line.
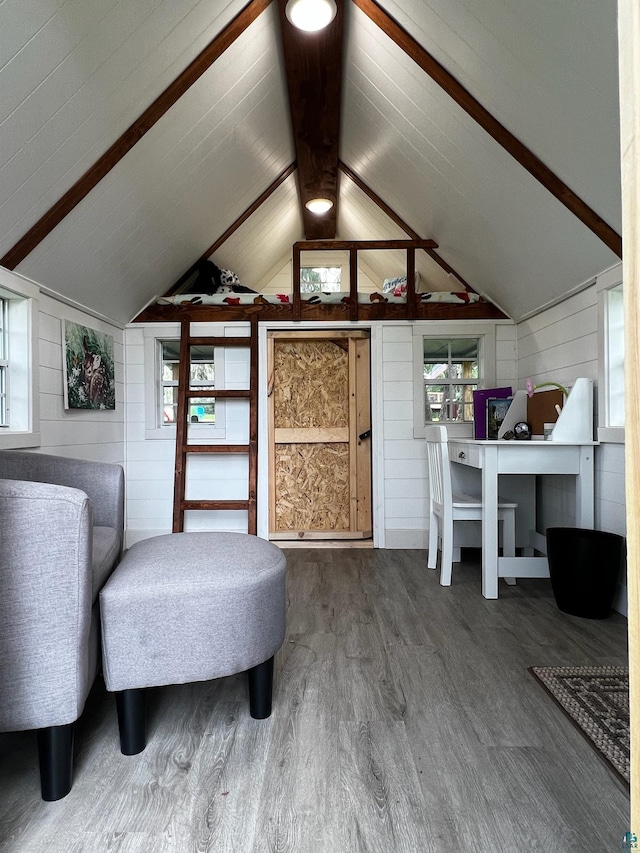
(319,205)
(311,15)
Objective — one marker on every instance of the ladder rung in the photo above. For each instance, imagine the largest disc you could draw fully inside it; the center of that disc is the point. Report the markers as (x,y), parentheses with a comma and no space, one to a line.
(184,448)
(219,392)
(216,448)
(216,504)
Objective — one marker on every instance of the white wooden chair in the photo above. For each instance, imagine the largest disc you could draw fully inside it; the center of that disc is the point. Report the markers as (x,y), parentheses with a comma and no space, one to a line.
(445,508)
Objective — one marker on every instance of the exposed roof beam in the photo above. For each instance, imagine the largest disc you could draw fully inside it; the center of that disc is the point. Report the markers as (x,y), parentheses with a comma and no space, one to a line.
(390,212)
(313,63)
(485,119)
(130,137)
(282,177)
(363,245)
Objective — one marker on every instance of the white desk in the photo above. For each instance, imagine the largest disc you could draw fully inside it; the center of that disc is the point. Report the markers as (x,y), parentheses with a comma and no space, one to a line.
(522,457)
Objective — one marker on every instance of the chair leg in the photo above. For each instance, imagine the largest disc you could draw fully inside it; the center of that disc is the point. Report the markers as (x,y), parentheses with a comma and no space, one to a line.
(432,557)
(132,720)
(447,553)
(261,689)
(55,752)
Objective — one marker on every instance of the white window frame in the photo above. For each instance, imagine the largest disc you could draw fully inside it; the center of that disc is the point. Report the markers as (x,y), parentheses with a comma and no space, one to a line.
(4,363)
(325,267)
(605,283)
(310,259)
(154,428)
(23,401)
(486,337)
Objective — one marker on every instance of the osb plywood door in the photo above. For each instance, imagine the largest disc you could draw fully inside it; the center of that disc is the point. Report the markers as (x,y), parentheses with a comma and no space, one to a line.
(320,435)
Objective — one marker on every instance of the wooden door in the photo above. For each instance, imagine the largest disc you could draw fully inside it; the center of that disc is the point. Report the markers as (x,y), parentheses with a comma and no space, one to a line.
(319,435)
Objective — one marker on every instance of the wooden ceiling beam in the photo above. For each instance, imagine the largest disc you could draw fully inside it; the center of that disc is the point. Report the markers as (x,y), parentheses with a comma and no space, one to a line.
(526,158)
(112,156)
(362,245)
(313,64)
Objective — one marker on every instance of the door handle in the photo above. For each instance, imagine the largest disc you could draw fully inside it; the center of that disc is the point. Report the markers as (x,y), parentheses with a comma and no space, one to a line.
(363,435)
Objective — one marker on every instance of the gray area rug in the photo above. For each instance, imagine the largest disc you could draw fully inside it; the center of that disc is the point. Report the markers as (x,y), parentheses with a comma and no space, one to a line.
(596,700)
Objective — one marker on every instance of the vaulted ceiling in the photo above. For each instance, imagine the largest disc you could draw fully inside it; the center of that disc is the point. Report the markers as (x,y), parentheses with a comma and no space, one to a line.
(136,138)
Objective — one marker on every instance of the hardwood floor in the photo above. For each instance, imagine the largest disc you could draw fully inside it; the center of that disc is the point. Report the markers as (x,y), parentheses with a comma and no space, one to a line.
(404,720)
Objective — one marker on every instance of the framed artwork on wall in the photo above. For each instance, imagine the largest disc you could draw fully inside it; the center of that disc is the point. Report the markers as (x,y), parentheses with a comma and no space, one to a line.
(89,381)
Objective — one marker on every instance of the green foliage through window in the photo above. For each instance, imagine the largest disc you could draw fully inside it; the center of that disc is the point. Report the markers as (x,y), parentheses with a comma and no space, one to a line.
(201,409)
(320,279)
(450,377)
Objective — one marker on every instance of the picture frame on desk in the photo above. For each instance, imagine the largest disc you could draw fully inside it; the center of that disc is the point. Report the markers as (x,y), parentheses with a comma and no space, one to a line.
(480,397)
(497,408)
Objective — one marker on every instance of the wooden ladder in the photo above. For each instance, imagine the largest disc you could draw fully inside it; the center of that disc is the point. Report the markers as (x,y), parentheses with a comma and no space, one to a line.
(183,448)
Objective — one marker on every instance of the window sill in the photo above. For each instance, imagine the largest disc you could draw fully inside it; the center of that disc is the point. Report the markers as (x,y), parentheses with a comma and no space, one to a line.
(18,440)
(611,435)
(454,430)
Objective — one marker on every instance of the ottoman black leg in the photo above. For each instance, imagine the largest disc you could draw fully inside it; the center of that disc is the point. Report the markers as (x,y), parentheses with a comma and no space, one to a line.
(55,751)
(261,689)
(132,720)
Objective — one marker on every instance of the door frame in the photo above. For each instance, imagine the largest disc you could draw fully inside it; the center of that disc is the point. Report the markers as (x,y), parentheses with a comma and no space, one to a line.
(377,438)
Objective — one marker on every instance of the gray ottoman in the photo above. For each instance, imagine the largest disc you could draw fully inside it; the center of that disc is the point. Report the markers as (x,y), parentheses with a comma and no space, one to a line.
(191,607)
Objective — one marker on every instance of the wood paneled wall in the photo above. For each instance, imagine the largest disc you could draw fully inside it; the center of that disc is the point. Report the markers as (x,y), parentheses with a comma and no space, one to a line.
(561,345)
(91,434)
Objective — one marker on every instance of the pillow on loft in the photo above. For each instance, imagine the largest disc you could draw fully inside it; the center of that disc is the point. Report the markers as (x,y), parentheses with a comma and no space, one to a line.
(398,285)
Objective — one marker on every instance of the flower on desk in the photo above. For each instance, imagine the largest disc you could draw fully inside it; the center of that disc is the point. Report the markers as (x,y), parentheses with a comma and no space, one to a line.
(531,388)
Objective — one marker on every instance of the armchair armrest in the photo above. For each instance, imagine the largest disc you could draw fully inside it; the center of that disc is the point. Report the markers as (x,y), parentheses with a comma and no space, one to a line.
(102,482)
(45,604)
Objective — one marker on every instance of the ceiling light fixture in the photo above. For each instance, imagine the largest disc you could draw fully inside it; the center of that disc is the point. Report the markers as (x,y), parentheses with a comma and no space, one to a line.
(311,15)
(319,205)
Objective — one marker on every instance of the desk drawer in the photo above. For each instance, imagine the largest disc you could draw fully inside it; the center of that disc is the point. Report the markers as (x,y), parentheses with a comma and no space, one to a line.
(465,454)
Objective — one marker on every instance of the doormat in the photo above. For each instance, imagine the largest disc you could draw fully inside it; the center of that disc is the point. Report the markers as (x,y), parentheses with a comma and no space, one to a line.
(596,700)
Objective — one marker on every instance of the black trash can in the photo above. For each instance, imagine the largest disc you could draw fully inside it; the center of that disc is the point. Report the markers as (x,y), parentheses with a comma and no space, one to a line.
(584,566)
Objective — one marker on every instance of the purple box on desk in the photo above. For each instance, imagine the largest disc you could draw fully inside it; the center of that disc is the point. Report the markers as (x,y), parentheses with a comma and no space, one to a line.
(480,408)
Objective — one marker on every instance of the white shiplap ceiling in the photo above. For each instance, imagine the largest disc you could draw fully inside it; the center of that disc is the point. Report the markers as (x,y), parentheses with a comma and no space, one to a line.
(75,75)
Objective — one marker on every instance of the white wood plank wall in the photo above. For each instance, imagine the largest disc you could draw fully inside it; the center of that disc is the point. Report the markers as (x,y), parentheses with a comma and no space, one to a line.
(561,345)
(90,434)
(405,459)
(150,463)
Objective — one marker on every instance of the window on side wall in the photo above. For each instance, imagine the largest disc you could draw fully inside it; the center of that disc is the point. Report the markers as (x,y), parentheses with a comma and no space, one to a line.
(201,410)
(320,279)
(611,397)
(450,378)
(4,363)
(448,368)
(205,415)
(19,397)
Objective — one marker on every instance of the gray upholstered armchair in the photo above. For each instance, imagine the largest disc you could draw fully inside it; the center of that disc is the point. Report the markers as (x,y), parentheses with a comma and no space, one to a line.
(61,537)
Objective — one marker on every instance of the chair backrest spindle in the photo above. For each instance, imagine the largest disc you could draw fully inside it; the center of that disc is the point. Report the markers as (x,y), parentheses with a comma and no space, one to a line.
(438,464)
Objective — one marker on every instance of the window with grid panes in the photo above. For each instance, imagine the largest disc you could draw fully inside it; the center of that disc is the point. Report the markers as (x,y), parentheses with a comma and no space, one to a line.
(201,410)
(320,279)
(451,375)
(611,386)
(4,364)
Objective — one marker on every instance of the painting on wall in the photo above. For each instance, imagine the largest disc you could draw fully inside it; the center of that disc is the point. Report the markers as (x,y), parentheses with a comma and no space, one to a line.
(89,381)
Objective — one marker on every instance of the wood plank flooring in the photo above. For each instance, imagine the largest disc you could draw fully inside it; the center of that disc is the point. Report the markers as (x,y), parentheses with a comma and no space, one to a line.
(404,720)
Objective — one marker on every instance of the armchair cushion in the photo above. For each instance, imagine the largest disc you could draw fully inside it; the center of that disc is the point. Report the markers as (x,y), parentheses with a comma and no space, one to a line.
(106,552)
